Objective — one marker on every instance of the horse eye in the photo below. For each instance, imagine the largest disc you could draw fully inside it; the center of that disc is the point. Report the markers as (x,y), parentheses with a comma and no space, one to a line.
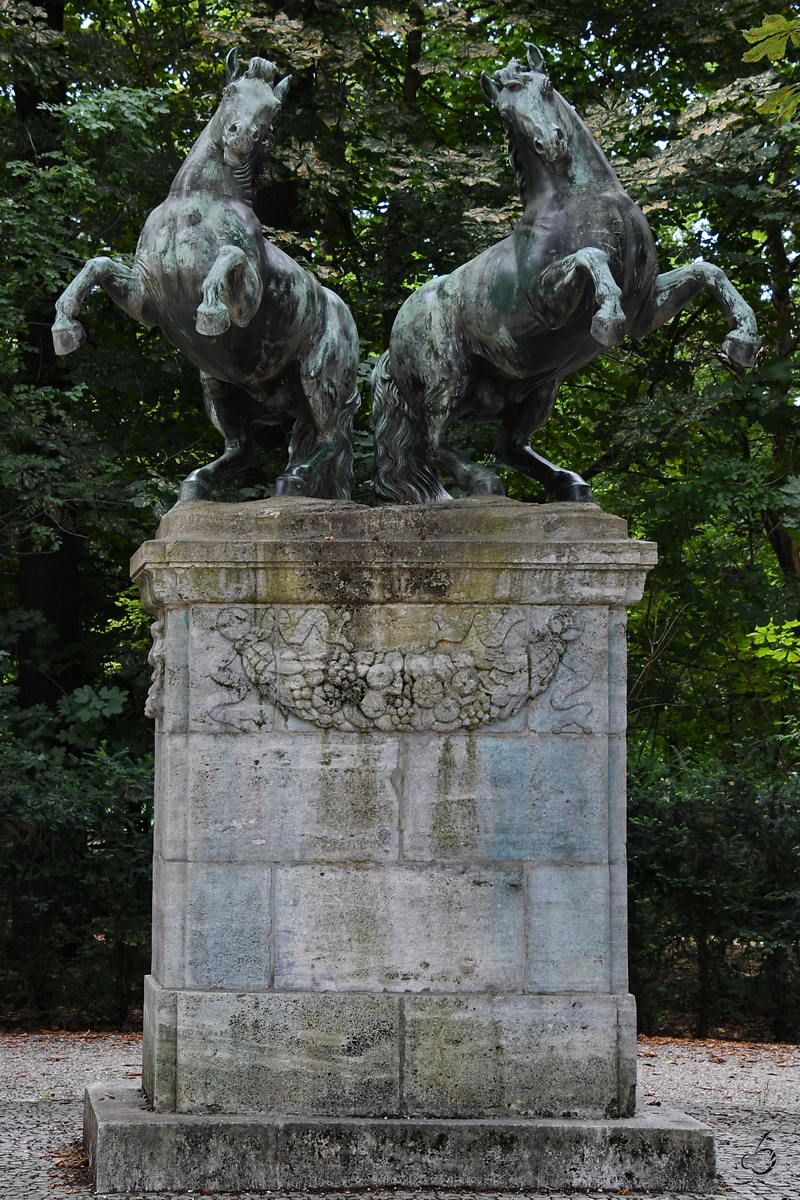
(547,86)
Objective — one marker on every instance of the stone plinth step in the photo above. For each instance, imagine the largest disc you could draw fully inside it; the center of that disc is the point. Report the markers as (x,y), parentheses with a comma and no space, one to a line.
(133,1149)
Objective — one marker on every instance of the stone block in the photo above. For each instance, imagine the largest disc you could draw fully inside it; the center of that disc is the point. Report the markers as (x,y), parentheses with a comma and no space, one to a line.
(131,1149)
(477,550)
(512,1056)
(288,1053)
(228,925)
(568,928)
(399,928)
(505,797)
(172,774)
(290,796)
(169,922)
(174,700)
(211,924)
(159,1045)
(135,1150)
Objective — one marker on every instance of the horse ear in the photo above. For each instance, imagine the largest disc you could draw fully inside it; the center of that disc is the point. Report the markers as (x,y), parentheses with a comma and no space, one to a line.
(536,60)
(232,67)
(280,89)
(490,88)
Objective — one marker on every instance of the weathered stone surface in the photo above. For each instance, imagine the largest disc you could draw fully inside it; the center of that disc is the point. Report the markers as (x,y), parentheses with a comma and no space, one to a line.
(390,856)
(399,928)
(159,1044)
(283,797)
(480,550)
(133,1149)
(568,928)
(288,1053)
(228,925)
(505,797)
(502,1056)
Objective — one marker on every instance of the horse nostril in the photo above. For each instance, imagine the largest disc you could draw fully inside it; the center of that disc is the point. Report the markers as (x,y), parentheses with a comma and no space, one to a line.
(538,146)
(234,128)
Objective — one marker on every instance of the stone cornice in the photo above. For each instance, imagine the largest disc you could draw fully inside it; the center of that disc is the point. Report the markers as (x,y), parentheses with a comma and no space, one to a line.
(477,550)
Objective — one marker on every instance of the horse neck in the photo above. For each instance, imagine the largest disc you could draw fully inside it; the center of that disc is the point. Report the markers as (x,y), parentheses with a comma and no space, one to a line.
(590,168)
(206,172)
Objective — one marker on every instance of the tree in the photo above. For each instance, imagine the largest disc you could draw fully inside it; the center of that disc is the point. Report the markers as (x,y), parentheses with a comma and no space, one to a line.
(386,167)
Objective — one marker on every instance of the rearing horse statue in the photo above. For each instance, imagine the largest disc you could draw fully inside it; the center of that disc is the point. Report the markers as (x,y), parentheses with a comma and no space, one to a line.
(271,342)
(494,339)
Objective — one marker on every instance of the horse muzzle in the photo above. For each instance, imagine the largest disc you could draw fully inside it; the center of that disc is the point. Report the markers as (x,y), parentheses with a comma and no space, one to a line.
(238,144)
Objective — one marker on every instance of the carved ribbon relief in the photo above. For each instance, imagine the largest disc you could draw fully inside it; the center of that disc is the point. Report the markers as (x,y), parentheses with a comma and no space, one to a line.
(476,669)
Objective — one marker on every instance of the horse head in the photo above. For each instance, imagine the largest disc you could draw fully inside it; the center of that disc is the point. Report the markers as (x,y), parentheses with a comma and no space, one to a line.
(250,102)
(531,108)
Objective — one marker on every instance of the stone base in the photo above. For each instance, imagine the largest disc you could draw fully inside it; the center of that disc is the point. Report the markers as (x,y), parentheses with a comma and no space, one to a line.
(134,1149)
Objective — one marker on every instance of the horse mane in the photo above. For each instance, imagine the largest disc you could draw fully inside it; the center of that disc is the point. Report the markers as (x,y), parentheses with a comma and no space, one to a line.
(261,68)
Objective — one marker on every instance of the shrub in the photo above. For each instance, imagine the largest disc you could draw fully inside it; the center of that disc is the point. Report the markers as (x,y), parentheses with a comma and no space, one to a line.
(75,871)
(714,854)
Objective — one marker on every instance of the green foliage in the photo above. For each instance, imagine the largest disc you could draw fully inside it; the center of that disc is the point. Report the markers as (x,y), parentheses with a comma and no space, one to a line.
(386,167)
(75,879)
(770,40)
(714,854)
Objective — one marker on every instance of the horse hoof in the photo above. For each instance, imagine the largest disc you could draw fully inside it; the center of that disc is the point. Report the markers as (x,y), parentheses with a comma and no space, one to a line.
(741,350)
(68,337)
(291,485)
(212,321)
(574,492)
(608,331)
(487,487)
(194,489)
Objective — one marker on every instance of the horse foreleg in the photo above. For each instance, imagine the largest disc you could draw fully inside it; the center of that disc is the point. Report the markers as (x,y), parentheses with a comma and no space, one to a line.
(233,412)
(232,291)
(674,290)
(513,446)
(124,285)
(561,288)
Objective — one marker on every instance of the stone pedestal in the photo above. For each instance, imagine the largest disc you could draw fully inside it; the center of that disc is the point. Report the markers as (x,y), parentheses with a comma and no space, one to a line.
(389,924)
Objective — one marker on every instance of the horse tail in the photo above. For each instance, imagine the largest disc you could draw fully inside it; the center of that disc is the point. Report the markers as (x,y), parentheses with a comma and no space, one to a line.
(402,473)
(334,480)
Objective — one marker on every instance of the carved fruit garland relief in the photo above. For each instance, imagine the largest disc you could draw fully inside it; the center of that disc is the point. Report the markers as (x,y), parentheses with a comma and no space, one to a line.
(306,662)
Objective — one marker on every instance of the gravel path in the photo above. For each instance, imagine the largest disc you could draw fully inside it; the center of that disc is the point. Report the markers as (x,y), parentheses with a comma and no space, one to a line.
(749,1093)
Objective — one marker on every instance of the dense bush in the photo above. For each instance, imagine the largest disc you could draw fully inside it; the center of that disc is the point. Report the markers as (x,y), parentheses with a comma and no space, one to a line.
(714,853)
(75,849)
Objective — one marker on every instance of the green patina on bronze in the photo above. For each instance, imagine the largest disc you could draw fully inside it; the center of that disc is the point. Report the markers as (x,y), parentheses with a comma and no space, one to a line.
(493,340)
(271,342)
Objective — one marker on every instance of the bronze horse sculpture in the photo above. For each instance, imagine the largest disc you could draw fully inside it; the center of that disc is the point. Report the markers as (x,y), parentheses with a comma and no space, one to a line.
(271,343)
(494,339)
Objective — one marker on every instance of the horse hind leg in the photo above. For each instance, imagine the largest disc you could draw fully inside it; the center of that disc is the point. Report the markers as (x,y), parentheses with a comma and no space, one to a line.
(233,412)
(232,291)
(513,446)
(474,478)
(317,438)
(124,285)
(674,290)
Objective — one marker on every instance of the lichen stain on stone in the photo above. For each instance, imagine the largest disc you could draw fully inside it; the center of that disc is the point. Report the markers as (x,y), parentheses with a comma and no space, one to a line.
(455,829)
(348,797)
